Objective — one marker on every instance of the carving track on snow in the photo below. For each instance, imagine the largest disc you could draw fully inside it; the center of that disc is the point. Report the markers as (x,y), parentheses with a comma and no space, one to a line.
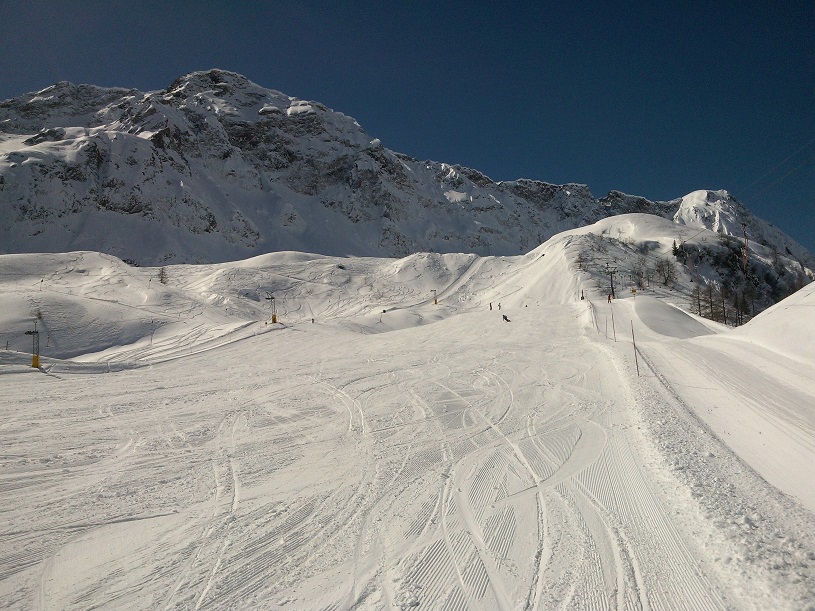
(445,471)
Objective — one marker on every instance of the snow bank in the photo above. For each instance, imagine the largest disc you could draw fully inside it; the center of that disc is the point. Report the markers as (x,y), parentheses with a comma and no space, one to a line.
(668,320)
(788,327)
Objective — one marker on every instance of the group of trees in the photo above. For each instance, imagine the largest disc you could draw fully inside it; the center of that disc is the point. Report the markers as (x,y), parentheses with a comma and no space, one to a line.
(721,304)
(644,270)
(735,287)
(642,273)
(725,285)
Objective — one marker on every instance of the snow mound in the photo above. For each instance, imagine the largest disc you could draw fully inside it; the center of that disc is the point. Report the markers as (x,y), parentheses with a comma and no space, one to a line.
(269,109)
(787,327)
(456,197)
(668,320)
(300,108)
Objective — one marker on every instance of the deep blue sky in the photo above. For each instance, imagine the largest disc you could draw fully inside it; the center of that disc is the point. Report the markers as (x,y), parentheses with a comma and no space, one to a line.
(643,97)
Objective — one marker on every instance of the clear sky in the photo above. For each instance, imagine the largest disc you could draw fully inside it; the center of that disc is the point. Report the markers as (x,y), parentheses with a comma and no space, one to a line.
(650,98)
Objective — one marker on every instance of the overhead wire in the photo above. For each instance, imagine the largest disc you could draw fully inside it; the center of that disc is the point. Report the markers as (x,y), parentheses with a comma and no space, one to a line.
(783,177)
(746,195)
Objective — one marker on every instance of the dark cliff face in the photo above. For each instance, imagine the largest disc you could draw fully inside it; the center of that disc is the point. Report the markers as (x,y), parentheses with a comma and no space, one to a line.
(216,167)
(624,204)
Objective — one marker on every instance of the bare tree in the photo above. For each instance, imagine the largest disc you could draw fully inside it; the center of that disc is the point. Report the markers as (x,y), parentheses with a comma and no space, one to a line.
(666,270)
(638,271)
(582,261)
(696,300)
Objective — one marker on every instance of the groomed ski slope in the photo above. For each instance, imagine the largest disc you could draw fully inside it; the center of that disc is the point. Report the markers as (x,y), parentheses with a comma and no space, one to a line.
(179,451)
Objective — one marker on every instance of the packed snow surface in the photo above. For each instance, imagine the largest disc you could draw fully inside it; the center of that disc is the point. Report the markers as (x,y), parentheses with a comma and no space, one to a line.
(375,449)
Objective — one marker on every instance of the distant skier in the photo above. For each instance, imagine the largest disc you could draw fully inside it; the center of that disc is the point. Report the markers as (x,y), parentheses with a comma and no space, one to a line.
(506,319)
(609,297)
(490,306)
(499,305)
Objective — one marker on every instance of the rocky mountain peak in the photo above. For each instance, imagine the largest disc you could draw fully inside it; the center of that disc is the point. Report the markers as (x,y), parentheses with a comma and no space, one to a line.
(216,167)
(63,104)
(215,79)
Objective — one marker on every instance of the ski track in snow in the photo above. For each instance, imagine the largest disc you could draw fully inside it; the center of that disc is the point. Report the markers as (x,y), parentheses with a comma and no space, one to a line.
(465,464)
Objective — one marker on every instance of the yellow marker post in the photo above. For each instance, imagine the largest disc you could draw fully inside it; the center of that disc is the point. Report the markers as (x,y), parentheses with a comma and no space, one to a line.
(270,298)
(35,349)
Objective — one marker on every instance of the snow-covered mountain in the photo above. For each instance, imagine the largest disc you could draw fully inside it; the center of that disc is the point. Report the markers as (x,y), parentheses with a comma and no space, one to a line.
(217,168)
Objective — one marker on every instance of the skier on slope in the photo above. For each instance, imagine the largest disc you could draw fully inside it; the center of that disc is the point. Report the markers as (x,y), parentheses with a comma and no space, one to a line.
(505,318)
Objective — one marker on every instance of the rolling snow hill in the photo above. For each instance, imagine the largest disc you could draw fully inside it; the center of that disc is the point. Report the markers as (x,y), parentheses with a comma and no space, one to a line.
(376,449)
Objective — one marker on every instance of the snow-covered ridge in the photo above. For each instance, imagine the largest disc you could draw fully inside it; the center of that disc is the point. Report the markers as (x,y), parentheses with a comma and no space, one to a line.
(216,167)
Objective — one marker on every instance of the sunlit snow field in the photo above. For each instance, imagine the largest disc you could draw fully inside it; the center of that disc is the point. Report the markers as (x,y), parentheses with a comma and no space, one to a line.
(377,450)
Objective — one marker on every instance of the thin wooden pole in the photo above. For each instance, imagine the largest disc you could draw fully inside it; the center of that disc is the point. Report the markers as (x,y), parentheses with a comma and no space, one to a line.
(613,326)
(636,360)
